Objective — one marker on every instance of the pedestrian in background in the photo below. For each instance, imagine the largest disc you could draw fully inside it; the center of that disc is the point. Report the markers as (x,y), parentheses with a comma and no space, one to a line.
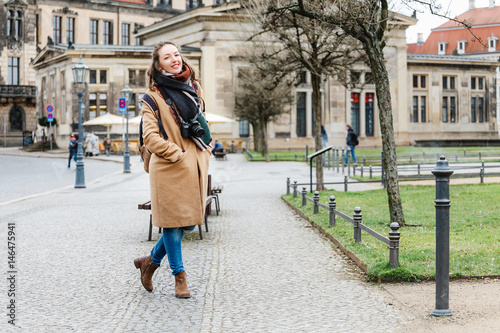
(352,142)
(107,146)
(73,148)
(178,169)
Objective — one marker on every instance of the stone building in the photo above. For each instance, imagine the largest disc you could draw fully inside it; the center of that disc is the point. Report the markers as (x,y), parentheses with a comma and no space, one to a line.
(220,33)
(453,79)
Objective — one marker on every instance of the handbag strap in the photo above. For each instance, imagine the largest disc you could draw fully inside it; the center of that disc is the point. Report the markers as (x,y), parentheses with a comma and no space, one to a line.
(152,104)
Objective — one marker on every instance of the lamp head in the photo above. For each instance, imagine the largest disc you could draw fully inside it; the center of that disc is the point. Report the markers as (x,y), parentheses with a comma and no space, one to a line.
(127,92)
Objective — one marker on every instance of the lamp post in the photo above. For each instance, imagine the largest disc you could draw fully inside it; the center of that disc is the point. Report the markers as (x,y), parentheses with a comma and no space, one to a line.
(126,92)
(80,72)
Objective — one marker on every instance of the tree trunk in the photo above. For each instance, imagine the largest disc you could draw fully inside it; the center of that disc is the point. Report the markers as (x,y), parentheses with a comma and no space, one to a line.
(382,87)
(257,145)
(265,151)
(316,86)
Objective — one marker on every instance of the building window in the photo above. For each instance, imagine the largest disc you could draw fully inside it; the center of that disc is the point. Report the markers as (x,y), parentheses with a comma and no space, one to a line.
(192,4)
(103,104)
(125,34)
(449,109)
(478,110)
(136,78)
(138,40)
(96,74)
(13,71)
(56,23)
(369,78)
(94,32)
(448,83)
(355,112)
(14,24)
(107,33)
(442,48)
(461,46)
(302,78)
(369,114)
(419,107)
(301,114)
(103,76)
(16,118)
(92,105)
(93,76)
(419,81)
(244,129)
(492,43)
(70,30)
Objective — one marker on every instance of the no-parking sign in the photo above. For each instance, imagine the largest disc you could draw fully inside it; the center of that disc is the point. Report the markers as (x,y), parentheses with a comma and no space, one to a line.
(122,105)
(50,116)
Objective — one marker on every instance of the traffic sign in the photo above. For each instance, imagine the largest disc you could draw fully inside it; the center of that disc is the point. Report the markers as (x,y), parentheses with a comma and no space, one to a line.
(50,108)
(50,117)
(122,105)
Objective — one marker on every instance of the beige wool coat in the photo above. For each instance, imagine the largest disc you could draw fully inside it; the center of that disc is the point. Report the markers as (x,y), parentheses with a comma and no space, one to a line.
(178,185)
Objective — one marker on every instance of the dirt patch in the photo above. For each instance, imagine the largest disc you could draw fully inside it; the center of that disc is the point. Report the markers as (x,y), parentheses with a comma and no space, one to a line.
(474,304)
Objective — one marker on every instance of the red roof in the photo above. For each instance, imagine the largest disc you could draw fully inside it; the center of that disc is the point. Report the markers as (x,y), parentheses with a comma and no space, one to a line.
(475,17)
(452,32)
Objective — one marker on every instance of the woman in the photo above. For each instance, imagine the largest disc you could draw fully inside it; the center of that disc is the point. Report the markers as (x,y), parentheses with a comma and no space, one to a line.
(178,169)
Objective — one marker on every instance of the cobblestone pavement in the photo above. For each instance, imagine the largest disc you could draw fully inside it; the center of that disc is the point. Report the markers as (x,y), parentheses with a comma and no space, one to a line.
(259,269)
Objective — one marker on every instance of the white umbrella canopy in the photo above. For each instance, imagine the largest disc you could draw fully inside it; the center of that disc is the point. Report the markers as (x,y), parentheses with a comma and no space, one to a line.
(107,120)
(215,118)
(136,121)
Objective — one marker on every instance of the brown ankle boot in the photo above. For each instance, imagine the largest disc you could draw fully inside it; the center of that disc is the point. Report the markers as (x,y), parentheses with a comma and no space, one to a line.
(181,288)
(148,267)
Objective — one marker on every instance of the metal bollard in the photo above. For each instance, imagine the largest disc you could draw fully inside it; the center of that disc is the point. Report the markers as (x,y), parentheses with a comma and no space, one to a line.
(482,164)
(364,160)
(481,174)
(361,171)
(304,193)
(357,220)
(464,151)
(288,185)
(338,160)
(371,172)
(418,168)
(295,189)
(394,237)
(479,155)
(275,156)
(316,200)
(307,152)
(345,183)
(410,158)
(456,157)
(295,156)
(348,161)
(442,172)
(332,205)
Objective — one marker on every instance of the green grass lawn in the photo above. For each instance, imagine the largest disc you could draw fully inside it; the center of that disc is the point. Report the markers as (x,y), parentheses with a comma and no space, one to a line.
(418,154)
(474,230)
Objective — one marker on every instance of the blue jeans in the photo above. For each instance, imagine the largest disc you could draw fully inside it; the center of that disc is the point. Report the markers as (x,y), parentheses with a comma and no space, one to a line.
(170,244)
(352,153)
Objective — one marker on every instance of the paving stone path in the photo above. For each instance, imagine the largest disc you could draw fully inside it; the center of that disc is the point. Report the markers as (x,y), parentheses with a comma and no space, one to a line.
(259,269)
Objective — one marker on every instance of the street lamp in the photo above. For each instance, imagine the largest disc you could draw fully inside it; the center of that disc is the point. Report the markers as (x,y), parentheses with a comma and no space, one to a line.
(80,72)
(126,92)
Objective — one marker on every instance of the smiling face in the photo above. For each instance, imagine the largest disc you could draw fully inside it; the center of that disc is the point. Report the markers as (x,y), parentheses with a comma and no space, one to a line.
(170,59)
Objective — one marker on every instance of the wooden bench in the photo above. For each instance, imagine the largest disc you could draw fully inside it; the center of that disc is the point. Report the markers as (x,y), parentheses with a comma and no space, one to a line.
(219,153)
(208,202)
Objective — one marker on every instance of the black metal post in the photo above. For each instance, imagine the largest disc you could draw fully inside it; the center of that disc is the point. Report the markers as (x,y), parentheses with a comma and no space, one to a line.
(371,172)
(316,200)
(357,220)
(126,155)
(295,189)
(418,168)
(307,151)
(288,185)
(304,193)
(345,183)
(80,172)
(394,236)
(481,174)
(332,205)
(361,171)
(442,172)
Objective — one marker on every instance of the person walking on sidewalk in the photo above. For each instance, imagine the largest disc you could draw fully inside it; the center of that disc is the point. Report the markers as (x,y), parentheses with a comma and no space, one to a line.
(177,135)
(352,142)
(73,147)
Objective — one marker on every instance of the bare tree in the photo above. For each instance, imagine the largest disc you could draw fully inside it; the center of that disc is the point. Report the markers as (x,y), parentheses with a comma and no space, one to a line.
(304,44)
(260,98)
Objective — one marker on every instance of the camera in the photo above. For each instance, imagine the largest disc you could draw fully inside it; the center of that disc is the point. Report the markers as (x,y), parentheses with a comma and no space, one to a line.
(192,128)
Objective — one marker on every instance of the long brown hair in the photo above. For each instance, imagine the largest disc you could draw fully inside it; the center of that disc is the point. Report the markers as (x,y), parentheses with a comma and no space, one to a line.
(155,64)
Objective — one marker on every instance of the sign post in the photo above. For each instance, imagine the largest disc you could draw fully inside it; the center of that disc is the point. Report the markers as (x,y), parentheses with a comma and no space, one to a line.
(50,119)
(122,108)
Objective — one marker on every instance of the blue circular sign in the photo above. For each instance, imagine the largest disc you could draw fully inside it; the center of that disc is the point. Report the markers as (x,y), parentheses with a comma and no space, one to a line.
(50,108)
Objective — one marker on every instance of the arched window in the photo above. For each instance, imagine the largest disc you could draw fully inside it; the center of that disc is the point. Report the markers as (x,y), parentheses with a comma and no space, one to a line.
(16,118)
(14,23)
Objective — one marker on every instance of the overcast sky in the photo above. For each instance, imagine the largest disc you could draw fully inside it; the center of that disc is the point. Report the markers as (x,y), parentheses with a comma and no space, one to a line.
(427,21)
